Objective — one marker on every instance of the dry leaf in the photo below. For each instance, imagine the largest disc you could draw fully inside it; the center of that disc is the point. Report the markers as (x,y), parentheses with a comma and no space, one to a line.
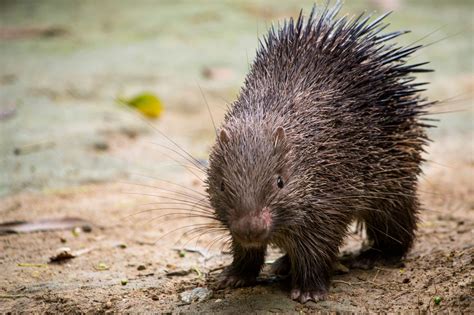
(42,225)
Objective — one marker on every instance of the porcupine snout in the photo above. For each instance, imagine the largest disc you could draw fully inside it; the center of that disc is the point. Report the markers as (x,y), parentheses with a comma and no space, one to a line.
(252,229)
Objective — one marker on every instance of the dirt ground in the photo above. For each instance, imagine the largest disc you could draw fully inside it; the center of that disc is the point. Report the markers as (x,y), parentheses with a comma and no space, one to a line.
(68,151)
(144,249)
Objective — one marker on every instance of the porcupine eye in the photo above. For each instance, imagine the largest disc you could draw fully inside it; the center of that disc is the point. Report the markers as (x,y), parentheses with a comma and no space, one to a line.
(280,183)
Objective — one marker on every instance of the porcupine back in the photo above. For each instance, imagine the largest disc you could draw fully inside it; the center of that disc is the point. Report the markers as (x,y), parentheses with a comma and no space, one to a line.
(347,99)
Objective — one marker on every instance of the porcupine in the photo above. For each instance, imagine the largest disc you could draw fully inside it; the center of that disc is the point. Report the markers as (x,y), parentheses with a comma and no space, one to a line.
(327,129)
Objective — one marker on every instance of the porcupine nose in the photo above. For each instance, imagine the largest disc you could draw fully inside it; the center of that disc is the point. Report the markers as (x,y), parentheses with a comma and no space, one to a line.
(252,229)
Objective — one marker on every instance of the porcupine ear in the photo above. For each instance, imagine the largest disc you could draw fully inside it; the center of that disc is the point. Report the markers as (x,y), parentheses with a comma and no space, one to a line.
(223,137)
(279,135)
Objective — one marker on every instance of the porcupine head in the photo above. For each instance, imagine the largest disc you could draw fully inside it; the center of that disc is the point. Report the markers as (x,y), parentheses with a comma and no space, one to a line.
(247,179)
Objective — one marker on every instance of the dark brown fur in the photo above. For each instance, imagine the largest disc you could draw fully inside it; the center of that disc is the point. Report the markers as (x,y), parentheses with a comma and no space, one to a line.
(326,130)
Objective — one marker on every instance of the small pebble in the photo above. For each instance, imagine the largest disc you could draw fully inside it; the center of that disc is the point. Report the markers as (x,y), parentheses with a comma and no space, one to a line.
(195,295)
(101,146)
(340,268)
(102,266)
(406,280)
(76,231)
(218,73)
(141,267)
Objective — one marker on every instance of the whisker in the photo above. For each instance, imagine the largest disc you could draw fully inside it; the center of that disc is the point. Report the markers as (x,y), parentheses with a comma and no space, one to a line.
(195,204)
(165,197)
(186,167)
(180,215)
(169,182)
(195,225)
(198,208)
(217,240)
(196,163)
(163,189)
(194,212)
(208,109)
(137,116)
(201,233)
(198,231)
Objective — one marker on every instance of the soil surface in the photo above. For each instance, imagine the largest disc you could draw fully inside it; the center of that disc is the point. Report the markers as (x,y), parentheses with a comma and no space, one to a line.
(68,150)
(148,248)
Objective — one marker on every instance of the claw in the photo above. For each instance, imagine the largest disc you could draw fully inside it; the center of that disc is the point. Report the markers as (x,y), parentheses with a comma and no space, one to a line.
(295,294)
(233,281)
(367,259)
(305,296)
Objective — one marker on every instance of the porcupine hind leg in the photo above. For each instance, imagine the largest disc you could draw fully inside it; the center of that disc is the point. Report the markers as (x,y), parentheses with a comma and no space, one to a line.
(245,267)
(390,230)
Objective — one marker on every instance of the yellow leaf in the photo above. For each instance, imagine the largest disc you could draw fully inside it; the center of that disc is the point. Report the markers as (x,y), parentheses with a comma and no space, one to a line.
(146,103)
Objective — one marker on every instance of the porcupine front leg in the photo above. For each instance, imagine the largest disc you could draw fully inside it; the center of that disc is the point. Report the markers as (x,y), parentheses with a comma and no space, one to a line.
(245,266)
(311,265)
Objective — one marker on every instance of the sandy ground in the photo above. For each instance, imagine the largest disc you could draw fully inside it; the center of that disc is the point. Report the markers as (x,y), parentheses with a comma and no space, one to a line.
(69,151)
(439,265)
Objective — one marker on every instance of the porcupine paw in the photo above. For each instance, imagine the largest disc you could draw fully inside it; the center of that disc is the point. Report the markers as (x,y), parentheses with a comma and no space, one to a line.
(228,279)
(371,257)
(281,266)
(304,296)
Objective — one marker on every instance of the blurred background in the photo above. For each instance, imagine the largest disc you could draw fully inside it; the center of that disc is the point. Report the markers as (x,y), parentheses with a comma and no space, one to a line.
(65,63)
(89,88)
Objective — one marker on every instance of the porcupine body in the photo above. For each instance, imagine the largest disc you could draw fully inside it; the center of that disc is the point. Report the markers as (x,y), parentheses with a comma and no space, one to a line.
(326,130)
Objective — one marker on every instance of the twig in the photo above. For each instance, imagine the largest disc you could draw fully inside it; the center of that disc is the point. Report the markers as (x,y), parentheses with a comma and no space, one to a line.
(33,147)
(32,265)
(347,282)
(396,297)
(377,285)
(376,274)
(360,283)
(216,269)
(15,296)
